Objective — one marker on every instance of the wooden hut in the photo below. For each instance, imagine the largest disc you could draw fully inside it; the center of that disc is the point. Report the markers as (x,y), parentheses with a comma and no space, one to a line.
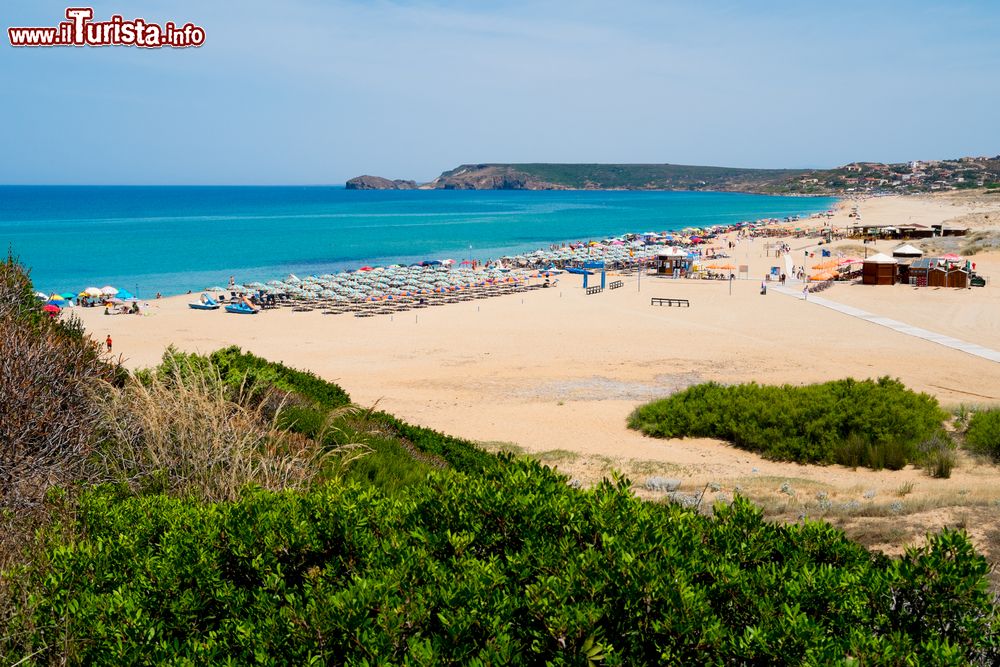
(879,270)
(948,273)
(937,272)
(672,262)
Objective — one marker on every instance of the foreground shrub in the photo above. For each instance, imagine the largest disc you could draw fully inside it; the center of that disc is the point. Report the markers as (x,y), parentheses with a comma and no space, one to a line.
(48,373)
(983,434)
(508,567)
(877,424)
(178,432)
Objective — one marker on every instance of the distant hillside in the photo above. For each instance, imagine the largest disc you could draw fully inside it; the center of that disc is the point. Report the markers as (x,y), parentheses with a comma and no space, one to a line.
(900,177)
(545,176)
(857,177)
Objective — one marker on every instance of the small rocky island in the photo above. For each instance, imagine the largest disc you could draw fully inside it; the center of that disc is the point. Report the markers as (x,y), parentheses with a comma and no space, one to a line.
(379,183)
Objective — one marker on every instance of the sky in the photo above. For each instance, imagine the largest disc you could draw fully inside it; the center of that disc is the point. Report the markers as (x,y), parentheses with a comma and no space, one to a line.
(316,92)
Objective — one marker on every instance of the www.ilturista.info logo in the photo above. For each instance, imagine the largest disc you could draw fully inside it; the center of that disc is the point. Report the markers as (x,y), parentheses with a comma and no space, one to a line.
(80,30)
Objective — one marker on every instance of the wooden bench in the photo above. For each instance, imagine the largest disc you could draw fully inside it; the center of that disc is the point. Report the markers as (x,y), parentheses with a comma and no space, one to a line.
(660,301)
(615,284)
(597,289)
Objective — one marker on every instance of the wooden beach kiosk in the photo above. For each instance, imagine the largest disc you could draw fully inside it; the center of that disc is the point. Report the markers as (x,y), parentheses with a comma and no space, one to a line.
(672,262)
(879,269)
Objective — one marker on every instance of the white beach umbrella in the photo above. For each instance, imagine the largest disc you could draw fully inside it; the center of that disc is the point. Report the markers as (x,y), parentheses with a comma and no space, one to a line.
(108,290)
(93,291)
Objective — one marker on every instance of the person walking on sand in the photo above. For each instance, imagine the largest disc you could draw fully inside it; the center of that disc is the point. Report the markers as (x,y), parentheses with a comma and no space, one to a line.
(805,293)
(108,342)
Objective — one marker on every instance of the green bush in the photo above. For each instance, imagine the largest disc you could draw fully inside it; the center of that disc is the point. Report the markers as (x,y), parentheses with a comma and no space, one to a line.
(877,424)
(983,434)
(241,366)
(511,566)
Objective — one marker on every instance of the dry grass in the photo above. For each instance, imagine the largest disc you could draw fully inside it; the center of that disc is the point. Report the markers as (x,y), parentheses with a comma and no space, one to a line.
(501,447)
(556,456)
(181,434)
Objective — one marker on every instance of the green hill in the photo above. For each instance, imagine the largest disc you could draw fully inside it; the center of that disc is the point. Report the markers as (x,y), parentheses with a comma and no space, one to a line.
(549,176)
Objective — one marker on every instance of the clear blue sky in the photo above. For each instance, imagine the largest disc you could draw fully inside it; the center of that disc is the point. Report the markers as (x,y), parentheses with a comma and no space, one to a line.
(314,91)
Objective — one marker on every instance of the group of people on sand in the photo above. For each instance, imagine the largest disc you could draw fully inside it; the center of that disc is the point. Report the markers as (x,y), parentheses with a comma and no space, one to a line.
(130,309)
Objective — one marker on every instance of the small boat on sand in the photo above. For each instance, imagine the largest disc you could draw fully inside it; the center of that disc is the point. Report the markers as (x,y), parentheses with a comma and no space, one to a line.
(243,307)
(205,303)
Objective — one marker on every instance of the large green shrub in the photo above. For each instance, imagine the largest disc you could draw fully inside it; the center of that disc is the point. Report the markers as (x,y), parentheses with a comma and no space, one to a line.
(872,423)
(983,433)
(511,566)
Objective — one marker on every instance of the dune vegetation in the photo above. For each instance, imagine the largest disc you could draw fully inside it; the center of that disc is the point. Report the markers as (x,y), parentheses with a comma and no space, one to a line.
(872,423)
(225,509)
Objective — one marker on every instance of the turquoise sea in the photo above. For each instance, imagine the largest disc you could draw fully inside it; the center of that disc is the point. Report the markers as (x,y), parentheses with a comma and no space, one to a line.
(175,239)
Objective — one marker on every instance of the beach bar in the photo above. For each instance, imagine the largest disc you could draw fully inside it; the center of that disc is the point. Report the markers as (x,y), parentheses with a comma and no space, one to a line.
(672,262)
(879,269)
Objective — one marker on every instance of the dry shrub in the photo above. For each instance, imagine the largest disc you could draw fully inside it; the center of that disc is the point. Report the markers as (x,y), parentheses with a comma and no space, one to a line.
(180,433)
(48,372)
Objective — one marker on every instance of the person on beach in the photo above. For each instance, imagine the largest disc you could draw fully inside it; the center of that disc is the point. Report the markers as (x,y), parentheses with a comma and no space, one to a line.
(805,293)
(108,342)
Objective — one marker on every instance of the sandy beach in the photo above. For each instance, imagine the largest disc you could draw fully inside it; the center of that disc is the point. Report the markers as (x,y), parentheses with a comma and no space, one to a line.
(555,372)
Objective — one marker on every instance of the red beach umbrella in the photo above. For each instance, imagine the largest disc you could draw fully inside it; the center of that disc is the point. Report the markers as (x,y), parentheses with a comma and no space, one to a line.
(50,308)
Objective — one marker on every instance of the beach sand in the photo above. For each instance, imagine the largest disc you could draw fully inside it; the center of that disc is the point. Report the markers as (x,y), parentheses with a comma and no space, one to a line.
(555,373)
